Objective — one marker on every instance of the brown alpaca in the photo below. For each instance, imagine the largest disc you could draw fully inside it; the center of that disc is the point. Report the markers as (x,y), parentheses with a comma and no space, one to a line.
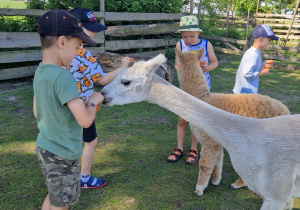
(192,81)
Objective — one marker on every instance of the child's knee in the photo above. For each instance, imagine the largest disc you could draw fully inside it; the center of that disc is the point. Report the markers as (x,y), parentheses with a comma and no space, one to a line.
(182,122)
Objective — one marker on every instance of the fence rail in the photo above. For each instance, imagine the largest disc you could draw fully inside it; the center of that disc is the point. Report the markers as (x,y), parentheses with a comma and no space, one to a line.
(17,47)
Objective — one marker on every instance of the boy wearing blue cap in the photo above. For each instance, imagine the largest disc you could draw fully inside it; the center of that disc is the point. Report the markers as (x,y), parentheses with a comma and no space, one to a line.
(86,72)
(59,111)
(252,66)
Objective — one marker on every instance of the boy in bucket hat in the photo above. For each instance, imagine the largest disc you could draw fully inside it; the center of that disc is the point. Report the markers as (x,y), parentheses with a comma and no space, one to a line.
(86,72)
(252,66)
(190,30)
(59,111)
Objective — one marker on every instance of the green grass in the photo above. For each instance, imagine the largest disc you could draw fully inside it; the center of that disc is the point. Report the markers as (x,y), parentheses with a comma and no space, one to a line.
(135,140)
(13,4)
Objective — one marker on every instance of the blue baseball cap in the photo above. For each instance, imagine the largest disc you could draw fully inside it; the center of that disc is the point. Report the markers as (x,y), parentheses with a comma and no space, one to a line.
(62,23)
(263,31)
(88,19)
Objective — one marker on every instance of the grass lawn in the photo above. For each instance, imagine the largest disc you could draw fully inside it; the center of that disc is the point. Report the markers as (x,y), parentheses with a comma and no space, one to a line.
(12,4)
(135,140)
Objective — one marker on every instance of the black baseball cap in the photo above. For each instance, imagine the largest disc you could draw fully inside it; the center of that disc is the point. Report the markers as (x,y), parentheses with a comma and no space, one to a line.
(88,19)
(62,23)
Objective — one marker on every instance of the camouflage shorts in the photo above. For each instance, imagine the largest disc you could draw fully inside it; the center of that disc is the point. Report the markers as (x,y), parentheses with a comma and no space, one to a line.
(62,177)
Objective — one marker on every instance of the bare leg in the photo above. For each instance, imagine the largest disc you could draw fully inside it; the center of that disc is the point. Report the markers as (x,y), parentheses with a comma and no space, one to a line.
(48,206)
(88,156)
(181,131)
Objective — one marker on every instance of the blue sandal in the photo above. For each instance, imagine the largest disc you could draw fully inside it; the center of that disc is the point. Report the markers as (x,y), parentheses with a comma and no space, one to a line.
(93,183)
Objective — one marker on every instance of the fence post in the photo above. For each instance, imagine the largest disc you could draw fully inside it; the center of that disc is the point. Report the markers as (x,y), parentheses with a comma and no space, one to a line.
(102,9)
(102,21)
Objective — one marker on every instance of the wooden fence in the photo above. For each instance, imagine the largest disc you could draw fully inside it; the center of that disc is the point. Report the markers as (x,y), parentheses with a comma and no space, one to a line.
(280,25)
(24,47)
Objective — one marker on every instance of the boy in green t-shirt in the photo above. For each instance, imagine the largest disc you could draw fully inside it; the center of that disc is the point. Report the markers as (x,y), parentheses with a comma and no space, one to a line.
(59,111)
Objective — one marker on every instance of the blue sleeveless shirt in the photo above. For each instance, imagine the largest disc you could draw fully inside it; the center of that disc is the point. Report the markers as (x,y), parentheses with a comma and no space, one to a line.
(195,48)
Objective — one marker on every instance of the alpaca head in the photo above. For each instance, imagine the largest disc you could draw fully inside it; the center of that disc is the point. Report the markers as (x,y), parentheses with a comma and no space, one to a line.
(189,58)
(133,84)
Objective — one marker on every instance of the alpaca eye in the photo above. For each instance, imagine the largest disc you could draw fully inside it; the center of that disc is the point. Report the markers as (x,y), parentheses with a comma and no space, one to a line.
(125,82)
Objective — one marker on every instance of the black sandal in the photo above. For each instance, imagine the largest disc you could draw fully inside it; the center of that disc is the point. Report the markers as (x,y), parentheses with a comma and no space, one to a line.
(177,153)
(192,157)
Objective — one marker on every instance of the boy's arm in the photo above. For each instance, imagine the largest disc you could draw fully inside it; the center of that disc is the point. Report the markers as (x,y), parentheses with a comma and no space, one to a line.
(212,58)
(108,77)
(85,115)
(34,107)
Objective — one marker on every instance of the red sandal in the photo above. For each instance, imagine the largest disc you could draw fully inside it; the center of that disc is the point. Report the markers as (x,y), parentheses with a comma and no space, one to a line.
(192,157)
(177,153)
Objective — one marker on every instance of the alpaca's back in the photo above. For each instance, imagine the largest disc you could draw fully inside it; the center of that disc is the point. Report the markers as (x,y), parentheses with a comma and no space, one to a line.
(248,105)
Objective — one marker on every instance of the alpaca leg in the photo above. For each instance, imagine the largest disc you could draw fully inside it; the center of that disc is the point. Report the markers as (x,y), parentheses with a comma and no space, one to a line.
(209,155)
(238,184)
(289,204)
(273,205)
(217,173)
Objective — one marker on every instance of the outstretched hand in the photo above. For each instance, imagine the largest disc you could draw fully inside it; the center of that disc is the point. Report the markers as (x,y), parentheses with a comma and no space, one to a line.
(125,62)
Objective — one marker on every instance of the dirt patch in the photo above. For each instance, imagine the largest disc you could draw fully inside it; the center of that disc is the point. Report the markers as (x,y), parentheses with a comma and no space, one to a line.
(6,86)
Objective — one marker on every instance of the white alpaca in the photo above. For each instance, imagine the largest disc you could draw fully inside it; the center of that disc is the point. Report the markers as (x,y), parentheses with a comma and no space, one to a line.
(193,82)
(264,152)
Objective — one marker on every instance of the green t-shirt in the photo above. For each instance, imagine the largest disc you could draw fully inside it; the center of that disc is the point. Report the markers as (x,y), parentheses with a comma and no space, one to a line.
(60,133)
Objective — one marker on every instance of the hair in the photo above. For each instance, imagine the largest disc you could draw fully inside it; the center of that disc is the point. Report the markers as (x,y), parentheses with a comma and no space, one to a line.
(48,41)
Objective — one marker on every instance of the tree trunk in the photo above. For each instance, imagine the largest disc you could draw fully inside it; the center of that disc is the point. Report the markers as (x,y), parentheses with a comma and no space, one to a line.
(227,21)
(199,11)
(191,6)
(291,25)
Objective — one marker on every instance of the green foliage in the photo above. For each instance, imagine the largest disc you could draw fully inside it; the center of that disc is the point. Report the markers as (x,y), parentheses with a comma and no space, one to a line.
(279,6)
(36,4)
(148,6)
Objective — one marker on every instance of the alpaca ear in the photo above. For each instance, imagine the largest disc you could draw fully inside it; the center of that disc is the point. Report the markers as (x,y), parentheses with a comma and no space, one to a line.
(155,62)
(200,53)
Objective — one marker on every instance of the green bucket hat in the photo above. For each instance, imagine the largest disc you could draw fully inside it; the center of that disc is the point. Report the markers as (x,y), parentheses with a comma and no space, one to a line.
(189,23)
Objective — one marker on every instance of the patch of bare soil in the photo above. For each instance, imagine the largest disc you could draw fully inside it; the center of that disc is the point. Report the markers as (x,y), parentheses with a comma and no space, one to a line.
(6,86)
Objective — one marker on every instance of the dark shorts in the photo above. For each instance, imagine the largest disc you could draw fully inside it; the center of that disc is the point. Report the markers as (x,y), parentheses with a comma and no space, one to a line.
(90,133)
(62,177)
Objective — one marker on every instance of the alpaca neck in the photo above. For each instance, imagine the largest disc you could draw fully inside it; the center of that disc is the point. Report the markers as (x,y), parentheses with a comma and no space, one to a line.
(213,121)
(192,80)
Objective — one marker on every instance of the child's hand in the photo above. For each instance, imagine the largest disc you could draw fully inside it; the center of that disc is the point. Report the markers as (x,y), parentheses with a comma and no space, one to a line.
(205,68)
(96,98)
(125,62)
(270,62)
